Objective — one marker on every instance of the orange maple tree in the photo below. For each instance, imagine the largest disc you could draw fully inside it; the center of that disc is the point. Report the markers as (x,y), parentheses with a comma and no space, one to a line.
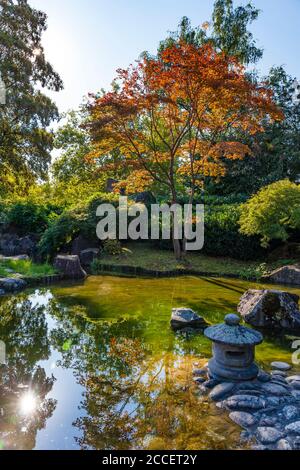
(175,117)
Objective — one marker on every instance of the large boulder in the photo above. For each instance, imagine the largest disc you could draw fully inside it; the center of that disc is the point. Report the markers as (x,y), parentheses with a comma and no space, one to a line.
(12,245)
(270,308)
(70,266)
(11,284)
(82,243)
(285,275)
(88,256)
(186,318)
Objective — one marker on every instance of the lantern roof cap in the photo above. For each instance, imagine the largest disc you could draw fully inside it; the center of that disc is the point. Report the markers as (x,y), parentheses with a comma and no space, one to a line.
(232,333)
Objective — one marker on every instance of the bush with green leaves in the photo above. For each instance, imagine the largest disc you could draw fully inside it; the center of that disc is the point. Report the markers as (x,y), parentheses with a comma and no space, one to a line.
(27,217)
(273,213)
(112,247)
(79,220)
(61,232)
(222,236)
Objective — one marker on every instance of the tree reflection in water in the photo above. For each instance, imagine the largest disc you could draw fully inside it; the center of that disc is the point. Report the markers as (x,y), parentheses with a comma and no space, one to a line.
(134,398)
(137,394)
(24,408)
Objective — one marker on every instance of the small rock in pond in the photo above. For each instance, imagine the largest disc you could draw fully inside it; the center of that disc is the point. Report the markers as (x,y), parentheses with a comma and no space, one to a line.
(220,390)
(283,444)
(243,418)
(2,292)
(185,317)
(263,376)
(268,435)
(280,365)
(290,412)
(293,428)
(243,402)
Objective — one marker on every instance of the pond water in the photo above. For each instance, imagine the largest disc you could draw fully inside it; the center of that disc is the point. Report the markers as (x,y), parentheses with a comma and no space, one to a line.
(96,365)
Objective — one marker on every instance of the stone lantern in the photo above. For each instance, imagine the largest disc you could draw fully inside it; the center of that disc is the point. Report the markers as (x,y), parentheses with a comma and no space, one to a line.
(233,350)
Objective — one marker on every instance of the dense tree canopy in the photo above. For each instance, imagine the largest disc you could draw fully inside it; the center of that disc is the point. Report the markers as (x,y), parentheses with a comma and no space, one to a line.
(25,141)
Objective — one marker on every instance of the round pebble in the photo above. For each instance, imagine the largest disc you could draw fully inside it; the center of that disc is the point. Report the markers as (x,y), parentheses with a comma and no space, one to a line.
(293,378)
(283,444)
(263,376)
(280,365)
(221,390)
(290,412)
(295,384)
(244,402)
(281,373)
(211,383)
(268,435)
(268,421)
(243,418)
(296,443)
(293,428)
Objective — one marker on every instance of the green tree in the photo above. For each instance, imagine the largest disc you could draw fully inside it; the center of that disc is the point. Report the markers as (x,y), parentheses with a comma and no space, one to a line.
(25,138)
(228,31)
(273,212)
(73,173)
(73,143)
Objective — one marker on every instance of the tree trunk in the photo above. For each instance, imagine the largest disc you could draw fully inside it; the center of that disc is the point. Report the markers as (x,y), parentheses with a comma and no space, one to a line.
(177,249)
(191,201)
(176,243)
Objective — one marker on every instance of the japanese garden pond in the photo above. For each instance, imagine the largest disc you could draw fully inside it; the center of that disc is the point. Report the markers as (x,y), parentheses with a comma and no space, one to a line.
(97,366)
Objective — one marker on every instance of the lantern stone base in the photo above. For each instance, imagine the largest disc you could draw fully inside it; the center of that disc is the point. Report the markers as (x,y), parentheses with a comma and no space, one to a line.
(232,374)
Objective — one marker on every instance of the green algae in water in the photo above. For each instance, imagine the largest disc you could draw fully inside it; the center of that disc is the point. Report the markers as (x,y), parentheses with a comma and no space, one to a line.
(123,377)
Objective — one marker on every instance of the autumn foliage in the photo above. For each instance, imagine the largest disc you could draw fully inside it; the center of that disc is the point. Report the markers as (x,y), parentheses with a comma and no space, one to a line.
(176,117)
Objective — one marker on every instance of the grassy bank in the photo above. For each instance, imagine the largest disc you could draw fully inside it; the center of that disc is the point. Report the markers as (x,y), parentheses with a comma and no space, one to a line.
(147,257)
(13,267)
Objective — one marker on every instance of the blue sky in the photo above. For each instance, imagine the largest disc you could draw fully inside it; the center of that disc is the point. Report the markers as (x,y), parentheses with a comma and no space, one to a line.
(87,40)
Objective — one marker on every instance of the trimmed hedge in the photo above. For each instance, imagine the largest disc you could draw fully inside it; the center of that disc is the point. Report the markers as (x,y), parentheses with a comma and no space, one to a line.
(222,236)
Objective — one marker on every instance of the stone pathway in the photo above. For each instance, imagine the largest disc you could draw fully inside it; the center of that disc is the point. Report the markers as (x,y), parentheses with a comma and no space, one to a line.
(266,408)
